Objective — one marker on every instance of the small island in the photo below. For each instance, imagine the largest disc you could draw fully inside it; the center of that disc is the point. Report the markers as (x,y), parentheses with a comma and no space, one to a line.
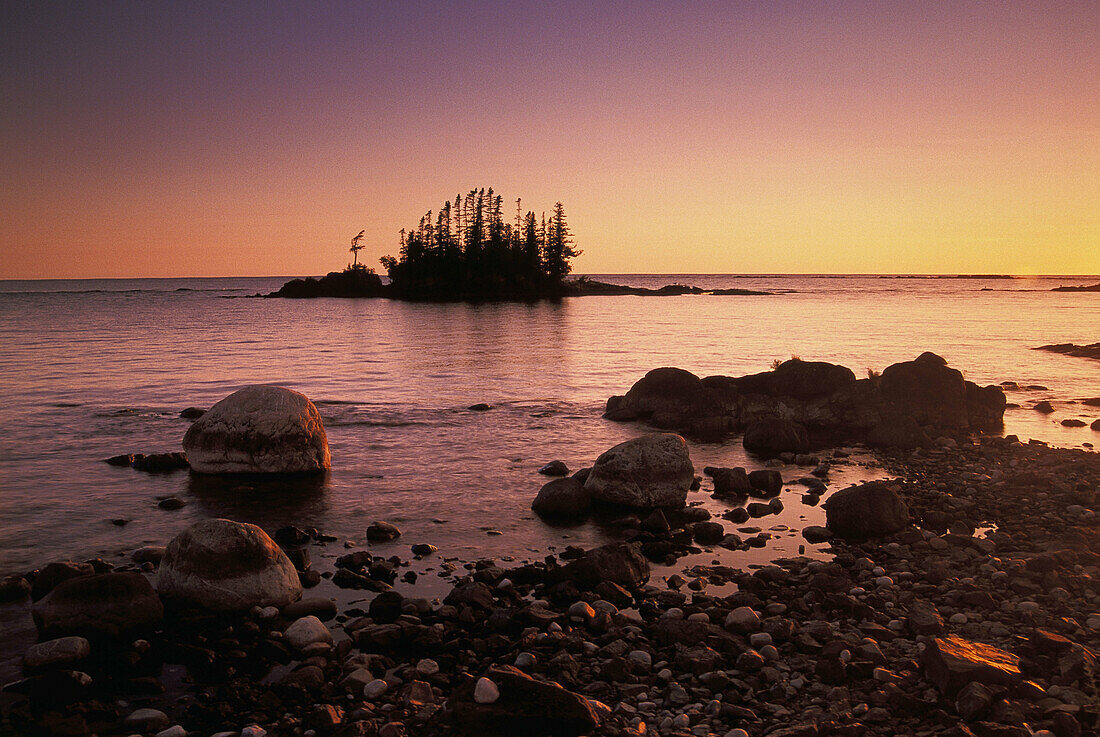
(1088,288)
(467,252)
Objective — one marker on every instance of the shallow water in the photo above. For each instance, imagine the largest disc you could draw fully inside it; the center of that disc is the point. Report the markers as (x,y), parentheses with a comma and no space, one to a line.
(90,369)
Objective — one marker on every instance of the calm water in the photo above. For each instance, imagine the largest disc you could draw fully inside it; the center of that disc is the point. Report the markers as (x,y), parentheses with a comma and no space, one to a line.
(89,369)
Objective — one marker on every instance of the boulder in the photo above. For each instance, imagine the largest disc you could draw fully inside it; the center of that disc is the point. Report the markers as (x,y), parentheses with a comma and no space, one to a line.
(508,701)
(866,511)
(952,662)
(222,565)
(646,472)
(765,482)
(773,435)
(52,574)
(808,379)
(617,563)
(708,533)
(259,429)
(555,468)
(730,481)
(100,605)
(926,390)
(63,651)
(563,497)
(382,532)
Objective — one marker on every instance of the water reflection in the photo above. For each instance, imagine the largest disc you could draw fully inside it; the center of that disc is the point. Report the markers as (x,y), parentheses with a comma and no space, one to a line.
(260,501)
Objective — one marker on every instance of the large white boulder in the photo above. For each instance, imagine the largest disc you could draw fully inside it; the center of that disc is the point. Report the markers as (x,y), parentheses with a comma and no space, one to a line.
(646,472)
(223,565)
(259,429)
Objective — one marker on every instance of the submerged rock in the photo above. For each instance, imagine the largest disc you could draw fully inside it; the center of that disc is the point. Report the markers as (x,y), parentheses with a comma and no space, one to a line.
(104,604)
(646,472)
(866,511)
(259,429)
(222,565)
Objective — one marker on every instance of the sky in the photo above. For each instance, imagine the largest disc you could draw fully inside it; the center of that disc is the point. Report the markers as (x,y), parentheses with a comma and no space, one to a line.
(255,138)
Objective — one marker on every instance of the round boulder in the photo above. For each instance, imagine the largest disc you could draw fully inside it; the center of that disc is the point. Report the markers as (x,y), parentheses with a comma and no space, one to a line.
(223,565)
(259,429)
(646,472)
(564,497)
(100,605)
(866,511)
(774,435)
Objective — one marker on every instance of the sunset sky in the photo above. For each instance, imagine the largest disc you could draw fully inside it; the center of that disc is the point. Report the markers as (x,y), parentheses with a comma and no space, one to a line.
(211,139)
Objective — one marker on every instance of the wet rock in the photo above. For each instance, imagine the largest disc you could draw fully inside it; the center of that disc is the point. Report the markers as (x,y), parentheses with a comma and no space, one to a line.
(952,662)
(104,604)
(422,549)
(646,472)
(63,651)
(1071,422)
(522,706)
(766,481)
(707,533)
(866,511)
(480,407)
(773,435)
(291,536)
(125,459)
(148,554)
(192,413)
(563,497)
(171,503)
(160,462)
(555,468)
(381,532)
(926,390)
(1044,407)
(617,563)
(816,534)
(222,565)
(731,481)
(259,429)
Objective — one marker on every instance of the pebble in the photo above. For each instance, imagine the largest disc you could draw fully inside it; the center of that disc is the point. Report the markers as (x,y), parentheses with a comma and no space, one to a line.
(375,688)
(485,691)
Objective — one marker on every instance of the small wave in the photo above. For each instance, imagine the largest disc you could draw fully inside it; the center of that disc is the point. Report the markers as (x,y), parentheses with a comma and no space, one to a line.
(374,423)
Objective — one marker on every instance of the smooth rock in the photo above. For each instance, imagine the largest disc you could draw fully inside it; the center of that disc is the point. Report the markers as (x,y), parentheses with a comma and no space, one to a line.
(259,429)
(866,511)
(307,631)
(222,565)
(104,604)
(646,472)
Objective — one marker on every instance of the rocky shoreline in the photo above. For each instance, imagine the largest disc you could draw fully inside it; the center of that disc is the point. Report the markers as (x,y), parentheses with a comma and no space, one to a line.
(929,630)
(958,597)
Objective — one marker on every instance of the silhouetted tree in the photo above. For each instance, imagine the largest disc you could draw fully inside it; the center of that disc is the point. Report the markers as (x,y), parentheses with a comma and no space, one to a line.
(468,251)
(357,246)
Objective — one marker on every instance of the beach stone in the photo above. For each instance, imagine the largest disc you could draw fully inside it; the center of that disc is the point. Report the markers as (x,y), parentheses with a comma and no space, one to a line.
(222,565)
(555,468)
(192,413)
(160,462)
(773,435)
(381,532)
(1095,425)
(707,533)
(103,604)
(148,554)
(146,720)
(175,730)
(375,688)
(564,497)
(924,618)
(57,652)
(742,620)
(259,429)
(866,511)
(521,705)
(1072,422)
(816,534)
(1044,407)
(617,563)
(307,631)
(973,701)
(952,662)
(731,481)
(646,472)
(767,481)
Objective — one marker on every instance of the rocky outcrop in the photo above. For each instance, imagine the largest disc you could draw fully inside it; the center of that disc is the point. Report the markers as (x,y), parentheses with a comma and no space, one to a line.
(261,430)
(866,511)
(646,472)
(222,565)
(101,605)
(773,435)
(909,404)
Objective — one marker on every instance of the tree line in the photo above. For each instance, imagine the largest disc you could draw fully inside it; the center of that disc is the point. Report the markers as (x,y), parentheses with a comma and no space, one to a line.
(467,250)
